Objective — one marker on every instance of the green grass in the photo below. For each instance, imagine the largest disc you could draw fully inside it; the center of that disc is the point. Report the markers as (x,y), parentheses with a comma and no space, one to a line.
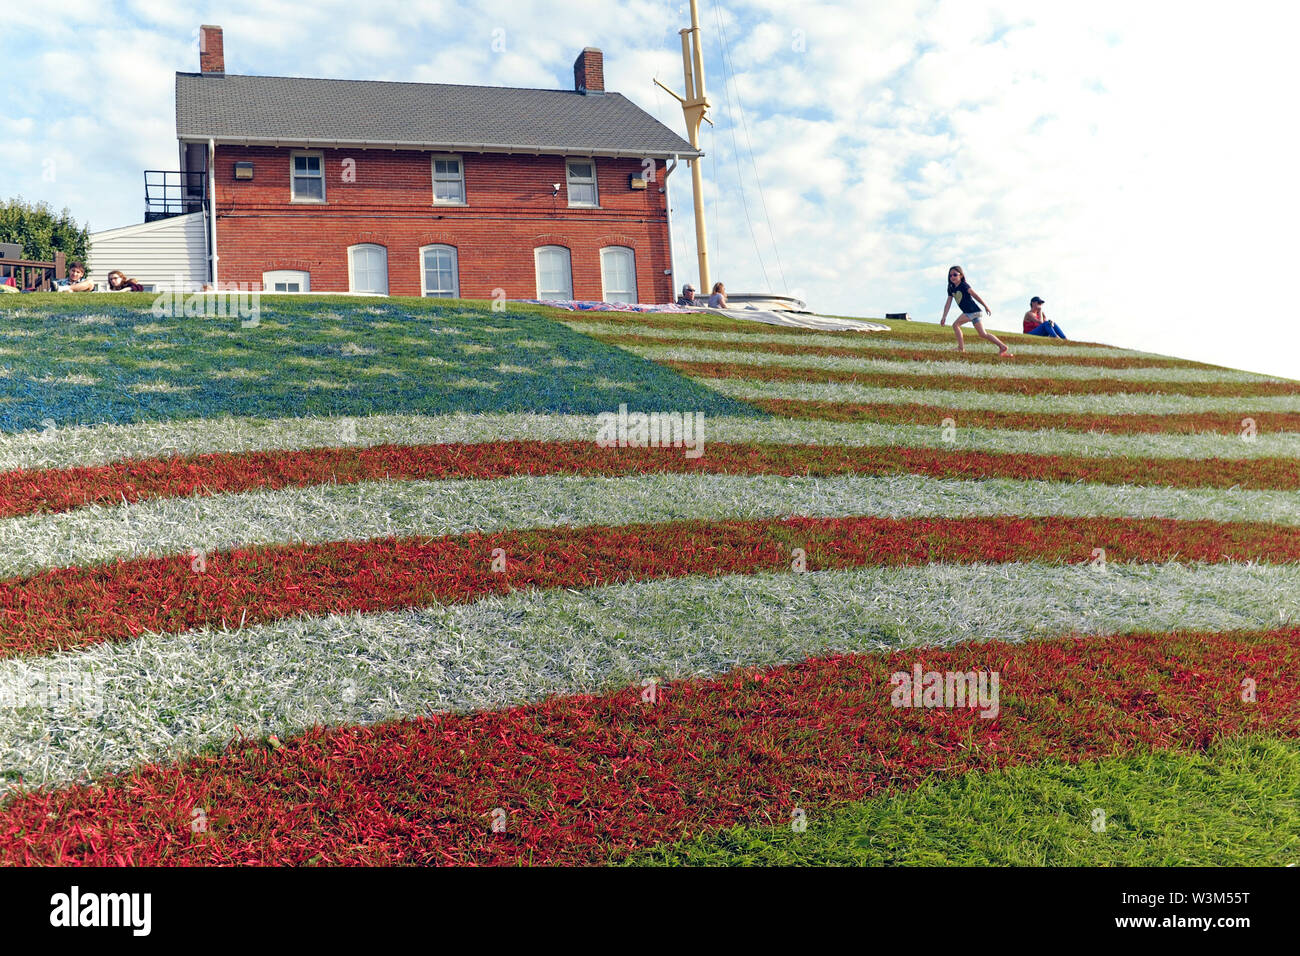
(1237,804)
(98,359)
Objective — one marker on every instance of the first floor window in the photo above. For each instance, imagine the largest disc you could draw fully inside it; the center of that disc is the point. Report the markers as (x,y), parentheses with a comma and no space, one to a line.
(554,278)
(582,182)
(307,182)
(618,274)
(368,269)
(448,181)
(441,274)
(286,280)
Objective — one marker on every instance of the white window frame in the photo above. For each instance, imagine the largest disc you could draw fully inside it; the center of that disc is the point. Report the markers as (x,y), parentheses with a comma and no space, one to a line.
(293,177)
(537,268)
(604,290)
(433,172)
(300,276)
(455,271)
(569,180)
(352,279)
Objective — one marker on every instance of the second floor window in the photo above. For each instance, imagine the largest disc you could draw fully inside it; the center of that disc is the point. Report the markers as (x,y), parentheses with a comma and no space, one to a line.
(308,178)
(582,182)
(448,181)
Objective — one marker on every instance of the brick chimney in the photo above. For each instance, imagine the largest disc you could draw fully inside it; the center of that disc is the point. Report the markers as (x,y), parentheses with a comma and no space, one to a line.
(212,53)
(589,71)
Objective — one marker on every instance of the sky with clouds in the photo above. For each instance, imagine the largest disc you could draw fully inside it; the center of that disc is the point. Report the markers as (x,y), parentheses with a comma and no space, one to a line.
(1131,162)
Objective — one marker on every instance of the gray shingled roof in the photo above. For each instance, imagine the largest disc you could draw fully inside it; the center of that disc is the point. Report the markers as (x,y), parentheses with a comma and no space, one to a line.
(294,110)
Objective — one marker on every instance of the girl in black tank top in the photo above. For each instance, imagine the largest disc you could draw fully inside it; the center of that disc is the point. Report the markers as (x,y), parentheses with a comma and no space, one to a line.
(959,289)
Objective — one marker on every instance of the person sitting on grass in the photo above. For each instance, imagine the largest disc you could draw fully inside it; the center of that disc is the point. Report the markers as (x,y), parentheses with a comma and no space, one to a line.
(1037,322)
(959,288)
(76,280)
(117,282)
(688,295)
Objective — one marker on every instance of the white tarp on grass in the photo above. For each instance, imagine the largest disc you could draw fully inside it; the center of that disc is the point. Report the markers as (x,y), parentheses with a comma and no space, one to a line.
(796,320)
(800,320)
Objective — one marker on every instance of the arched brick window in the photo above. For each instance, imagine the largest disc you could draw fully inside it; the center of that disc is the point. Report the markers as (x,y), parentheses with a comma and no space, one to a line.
(554,272)
(440,271)
(368,268)
(618,274)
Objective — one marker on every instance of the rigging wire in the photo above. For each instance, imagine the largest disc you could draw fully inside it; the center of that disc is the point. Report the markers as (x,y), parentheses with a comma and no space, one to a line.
(735,146)
(729,67)
(713,200)
(659,101)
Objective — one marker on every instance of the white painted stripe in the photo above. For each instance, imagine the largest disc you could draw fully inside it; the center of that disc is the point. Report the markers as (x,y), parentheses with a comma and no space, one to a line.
(954,367)
(165,696)
(870,341)
(86,445)
(999,401)
(367,510)
(102,444)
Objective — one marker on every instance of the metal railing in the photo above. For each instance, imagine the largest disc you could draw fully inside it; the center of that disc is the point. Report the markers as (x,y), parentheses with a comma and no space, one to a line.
(30,275)
(171,192)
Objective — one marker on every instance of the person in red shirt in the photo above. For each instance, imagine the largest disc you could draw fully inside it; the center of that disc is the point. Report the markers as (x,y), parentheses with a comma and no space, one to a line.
(1037,322)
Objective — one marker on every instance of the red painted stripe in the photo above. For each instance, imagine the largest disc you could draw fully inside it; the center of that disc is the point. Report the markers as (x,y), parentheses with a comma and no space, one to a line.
(76,606)
(912,414)
(29,492)
(584,779)
(1045,387)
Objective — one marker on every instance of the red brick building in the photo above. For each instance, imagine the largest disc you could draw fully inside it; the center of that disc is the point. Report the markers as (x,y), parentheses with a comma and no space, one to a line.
(428,189)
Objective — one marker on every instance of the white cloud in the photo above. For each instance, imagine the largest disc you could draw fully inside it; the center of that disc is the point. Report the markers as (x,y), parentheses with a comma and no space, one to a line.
(1097,156)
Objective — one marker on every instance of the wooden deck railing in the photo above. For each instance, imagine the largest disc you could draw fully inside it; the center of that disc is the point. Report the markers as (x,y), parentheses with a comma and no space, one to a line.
(31,275)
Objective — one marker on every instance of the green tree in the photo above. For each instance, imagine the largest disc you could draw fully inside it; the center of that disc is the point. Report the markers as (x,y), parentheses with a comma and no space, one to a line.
(42,232)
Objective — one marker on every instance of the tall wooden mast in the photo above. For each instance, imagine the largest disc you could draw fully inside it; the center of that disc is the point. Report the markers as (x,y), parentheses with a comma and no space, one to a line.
(695,105)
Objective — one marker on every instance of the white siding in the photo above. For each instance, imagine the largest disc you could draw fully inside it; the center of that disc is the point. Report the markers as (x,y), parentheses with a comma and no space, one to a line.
(153,252)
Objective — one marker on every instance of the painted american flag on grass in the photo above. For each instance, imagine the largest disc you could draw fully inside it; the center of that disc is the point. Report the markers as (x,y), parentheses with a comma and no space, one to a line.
(359,585)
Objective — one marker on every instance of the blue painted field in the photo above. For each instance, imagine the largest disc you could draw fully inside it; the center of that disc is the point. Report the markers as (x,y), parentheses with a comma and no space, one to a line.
(95,359)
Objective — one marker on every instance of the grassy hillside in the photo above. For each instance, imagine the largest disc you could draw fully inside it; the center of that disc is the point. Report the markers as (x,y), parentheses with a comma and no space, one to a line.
(360,584)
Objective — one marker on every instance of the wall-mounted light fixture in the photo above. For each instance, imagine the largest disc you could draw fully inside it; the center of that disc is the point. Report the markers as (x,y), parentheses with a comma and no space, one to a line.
(243,170)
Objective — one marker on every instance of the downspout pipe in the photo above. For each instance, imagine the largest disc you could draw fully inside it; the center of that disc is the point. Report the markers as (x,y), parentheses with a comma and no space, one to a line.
(212,209)
(668,212)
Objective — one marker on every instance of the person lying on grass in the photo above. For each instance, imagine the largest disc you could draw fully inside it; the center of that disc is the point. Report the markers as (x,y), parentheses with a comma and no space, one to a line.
(76,280)
(119,282)
(1037,322)
(970,312)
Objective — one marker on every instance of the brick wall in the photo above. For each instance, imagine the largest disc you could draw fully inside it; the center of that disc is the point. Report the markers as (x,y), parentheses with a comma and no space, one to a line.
(509,211)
